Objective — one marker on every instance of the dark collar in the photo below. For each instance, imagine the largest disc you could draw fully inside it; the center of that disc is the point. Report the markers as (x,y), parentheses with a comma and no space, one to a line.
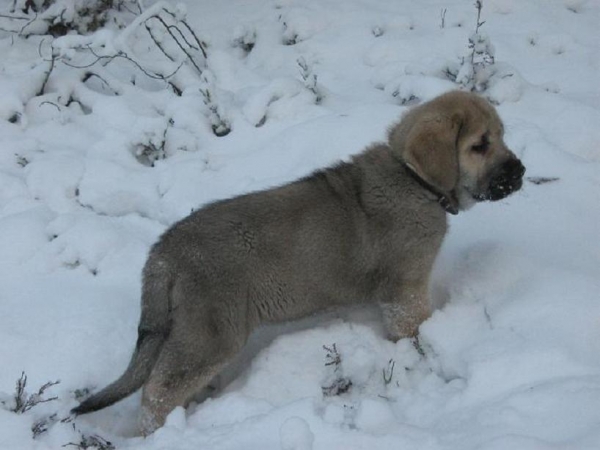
(449,203)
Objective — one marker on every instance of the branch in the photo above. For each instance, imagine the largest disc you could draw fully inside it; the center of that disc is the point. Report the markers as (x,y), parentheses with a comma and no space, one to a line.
(123,55)
(479,6)
(168,28)
(52,62)
(89,75)
(185,24)
(23,402)
(27,24)
(6,16)
(158,44)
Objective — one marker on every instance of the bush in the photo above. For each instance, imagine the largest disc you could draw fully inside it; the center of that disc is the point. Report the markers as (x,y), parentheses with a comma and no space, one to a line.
(475,69)
(22,401)
(59,17)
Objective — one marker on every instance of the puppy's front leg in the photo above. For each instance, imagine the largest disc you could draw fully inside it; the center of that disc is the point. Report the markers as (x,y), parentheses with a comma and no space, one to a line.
(403,314)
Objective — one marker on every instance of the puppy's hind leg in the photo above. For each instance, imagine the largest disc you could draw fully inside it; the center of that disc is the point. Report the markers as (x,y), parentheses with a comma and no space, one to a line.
(181,371)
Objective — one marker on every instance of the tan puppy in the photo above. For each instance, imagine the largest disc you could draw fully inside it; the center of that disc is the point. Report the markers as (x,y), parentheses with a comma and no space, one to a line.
(364,231)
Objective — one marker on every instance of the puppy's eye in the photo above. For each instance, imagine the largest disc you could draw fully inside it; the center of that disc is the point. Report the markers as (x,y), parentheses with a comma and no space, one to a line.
(482,147)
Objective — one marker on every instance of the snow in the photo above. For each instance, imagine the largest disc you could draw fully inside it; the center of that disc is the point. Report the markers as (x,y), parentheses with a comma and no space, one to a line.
(295,434)
(91,174)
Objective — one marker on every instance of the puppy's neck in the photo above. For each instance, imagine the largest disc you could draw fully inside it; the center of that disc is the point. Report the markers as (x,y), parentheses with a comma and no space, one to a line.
(448,202)
(385,162)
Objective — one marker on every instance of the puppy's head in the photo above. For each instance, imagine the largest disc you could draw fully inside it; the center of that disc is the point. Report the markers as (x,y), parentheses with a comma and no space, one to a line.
(455,143)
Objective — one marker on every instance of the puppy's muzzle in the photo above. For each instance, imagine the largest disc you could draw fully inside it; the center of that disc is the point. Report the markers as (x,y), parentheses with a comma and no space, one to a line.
(507,180)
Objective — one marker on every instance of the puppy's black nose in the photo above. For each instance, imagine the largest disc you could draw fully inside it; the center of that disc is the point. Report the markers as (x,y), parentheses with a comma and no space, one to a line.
(508,180)
(514,169)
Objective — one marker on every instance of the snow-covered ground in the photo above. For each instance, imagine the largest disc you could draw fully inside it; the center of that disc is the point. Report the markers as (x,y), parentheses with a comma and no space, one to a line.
(512,353)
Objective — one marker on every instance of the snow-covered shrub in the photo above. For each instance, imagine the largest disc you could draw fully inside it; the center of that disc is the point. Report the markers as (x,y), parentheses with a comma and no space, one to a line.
(475,69)
(147,65)
(59,17)
(217,118)
(479,71)
(412,87)
(22,401)
(244,38)
(159,44)
(310,79)
(150,147)
(299,24)
(42,425)
(335,383)
(90,441)
(289,34)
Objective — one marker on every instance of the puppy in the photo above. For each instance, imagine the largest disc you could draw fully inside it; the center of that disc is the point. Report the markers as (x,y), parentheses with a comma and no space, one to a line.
(364,231)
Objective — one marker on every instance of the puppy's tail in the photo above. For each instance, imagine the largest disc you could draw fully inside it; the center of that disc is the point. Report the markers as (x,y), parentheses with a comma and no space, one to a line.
(154,328)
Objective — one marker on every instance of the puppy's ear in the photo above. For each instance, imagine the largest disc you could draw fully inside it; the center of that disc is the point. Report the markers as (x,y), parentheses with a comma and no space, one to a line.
(430,150)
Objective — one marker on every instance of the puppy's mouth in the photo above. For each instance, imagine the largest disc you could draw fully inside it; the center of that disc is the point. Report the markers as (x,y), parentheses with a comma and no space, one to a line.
(509,179)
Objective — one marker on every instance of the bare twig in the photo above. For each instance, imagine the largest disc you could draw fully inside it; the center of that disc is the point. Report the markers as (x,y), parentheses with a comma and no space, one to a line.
(52,62)
(20,393)
(50,103)
(6,16)
(24,402)
(333,357)
(123,55)
(388,373)
(417,345)
(91,441)
(129,10)
(169,29)
(310,79)
(201,45)
(337,383)
(158,44)
(89,74)
(542,180)
(220,126)
(27,24)
(42,425)
(479,6)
